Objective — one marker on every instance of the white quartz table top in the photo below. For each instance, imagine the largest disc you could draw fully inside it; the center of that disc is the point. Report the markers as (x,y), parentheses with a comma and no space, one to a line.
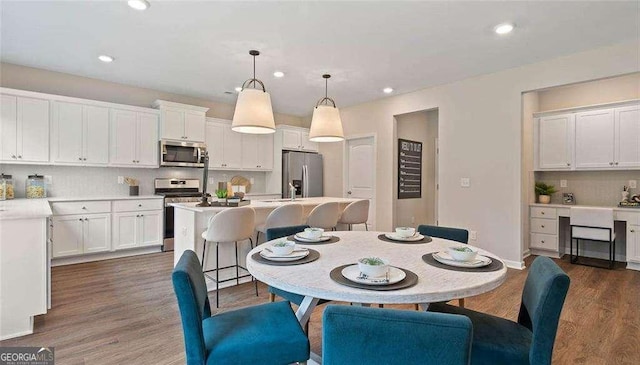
(57,199)
(265,204)
(24,209)
(434,284)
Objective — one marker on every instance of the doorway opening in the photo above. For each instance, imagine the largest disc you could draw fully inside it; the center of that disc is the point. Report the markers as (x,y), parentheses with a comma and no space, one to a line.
(359,173)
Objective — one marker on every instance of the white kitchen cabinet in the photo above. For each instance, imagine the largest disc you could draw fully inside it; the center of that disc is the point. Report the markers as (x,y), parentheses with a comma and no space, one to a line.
(225,146)
(627,135)
(24,129)
(594,139)
(297,139)
(137,229)
(291,140)
(257,151)
(307,145)
(181,122)
(134,139)
(81,234)
(555,146)
(633,243)
(80,134)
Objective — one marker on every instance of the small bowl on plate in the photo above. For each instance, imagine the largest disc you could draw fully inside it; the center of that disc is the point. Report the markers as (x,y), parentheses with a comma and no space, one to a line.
(312,233)
(405,232)
(462,253)
(373,266)
(282,248)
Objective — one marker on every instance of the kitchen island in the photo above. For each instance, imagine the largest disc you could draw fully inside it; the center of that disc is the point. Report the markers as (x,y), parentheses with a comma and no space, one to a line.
(24,265)
(191,221)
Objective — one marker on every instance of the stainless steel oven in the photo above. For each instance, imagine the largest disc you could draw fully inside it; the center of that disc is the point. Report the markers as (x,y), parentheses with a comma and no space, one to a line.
(182,154)
(175,191)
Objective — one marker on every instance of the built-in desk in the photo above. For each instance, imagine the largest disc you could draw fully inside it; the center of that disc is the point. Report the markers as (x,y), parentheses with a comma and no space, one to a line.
(550,235)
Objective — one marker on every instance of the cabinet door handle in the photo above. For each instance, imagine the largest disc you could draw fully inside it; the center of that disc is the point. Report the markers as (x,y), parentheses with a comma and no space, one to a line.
(542,225)
(19,156)
(542,213)
(616,164)
(13,156)
(80,158)
(610,163)
(542,241)
(142,215)
(85,208)
(134,161)
(139,205)
(84,159)
(568,164)
(137,215)
(80,219)
(632,231)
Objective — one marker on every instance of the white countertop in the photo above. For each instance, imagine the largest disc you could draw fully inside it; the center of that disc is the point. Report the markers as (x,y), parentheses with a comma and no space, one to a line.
(57,199)
(266,204)
(567,206)
(24,209)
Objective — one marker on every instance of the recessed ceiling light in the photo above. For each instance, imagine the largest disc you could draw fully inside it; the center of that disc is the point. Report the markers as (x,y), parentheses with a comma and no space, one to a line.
(387,90)
(504,28)
(278,74)
(104,58)
(238,89)
(139,4)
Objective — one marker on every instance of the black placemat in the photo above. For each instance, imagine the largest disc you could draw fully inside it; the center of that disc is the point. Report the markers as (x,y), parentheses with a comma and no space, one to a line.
(333,239)
(495,265)
(312,256)
(426,239)
(410,280)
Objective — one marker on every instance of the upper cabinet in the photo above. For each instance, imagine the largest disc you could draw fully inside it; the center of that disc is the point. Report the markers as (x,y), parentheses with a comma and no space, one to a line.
(181,122)
(24,129)
(80,134)
(134,139)
(595,139)
(296,139)
(229,150)
(257,151)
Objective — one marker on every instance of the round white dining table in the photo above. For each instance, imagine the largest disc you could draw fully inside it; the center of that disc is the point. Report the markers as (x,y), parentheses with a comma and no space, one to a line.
(434,284)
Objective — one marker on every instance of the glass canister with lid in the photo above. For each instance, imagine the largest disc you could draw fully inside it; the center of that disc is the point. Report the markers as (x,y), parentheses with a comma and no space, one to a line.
(35,187)
(6,187)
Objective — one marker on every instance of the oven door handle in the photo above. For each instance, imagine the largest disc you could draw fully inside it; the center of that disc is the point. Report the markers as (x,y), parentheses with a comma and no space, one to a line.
(199,154)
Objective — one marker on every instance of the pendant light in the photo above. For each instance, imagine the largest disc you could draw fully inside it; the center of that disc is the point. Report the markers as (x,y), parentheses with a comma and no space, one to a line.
(253,114)
(326,125)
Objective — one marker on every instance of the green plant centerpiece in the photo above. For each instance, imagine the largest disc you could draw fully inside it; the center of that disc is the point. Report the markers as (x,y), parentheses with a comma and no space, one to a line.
(373,261)
(544,192)
(221,194)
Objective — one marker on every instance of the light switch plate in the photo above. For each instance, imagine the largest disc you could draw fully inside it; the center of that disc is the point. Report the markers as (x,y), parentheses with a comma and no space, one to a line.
(465,182)
(633,184)
(120,179)
(563,183)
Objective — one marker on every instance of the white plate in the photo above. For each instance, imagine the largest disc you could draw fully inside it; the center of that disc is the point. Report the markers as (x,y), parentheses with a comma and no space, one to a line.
(444,258)
(295,255)
(396,237)
(352,273)
(321,239)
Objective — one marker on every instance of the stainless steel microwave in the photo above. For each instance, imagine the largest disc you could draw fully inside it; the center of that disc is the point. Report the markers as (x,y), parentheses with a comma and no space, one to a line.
(182,154)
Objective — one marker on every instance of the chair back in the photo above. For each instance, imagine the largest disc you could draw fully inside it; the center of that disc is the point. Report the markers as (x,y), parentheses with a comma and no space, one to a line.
(360,335)
(591,223)
(283,216)
(279,232)
(230,225)
(542,299)
(448,233)
(193,302)
(356,212)
(325,215)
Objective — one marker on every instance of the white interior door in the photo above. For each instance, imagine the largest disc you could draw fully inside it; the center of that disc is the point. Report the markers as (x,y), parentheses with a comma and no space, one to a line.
(360,173)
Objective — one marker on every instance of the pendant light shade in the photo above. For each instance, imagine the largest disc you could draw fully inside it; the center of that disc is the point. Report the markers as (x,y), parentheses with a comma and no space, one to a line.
(253,114)
(326,124)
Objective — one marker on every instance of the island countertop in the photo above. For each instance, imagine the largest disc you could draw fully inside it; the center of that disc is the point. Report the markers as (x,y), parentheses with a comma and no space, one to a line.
(265,204)
(24,209)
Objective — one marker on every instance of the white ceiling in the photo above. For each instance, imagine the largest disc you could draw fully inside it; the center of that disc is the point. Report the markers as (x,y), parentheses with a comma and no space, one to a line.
(201,48)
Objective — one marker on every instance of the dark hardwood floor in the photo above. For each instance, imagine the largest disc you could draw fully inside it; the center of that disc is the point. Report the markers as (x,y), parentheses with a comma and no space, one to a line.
(123,311)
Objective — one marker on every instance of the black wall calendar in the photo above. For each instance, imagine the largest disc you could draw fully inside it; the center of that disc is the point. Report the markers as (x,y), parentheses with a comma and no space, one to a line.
(409,169)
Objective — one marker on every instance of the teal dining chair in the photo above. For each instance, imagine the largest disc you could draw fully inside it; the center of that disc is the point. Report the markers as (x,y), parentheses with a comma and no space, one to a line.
(263,334)
(447,233)
(280,232)
(372,336)
(530,340)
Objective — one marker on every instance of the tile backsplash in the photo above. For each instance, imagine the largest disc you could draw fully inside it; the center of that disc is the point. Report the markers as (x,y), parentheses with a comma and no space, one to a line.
(599,188)
(72,181)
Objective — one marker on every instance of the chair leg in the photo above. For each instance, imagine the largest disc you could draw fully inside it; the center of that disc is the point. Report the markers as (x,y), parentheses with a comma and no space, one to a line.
(612,254)
(461,302)
(366,226)
(416,307)
(255,282)
(272,297)
(237,267)
(217,277)
(204,251)
(257,239)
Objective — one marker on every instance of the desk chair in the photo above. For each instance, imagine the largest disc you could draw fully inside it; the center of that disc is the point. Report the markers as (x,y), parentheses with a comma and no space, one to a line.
(592,224)
(263,334)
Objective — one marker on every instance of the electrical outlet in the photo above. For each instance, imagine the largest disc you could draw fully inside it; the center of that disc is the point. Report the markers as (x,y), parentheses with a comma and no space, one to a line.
(563,183)
(473,235)
(48,179)
(252,181)
(465,182)
(120,179)
(633,184)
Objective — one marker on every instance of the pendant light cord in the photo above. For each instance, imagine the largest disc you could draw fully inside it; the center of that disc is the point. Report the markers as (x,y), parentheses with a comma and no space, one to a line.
(326,88)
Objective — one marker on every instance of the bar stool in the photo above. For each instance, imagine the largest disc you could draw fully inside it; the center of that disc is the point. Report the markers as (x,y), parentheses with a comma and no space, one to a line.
(592,224)
(283,216)
(230,225)
(325,216)
(356,213)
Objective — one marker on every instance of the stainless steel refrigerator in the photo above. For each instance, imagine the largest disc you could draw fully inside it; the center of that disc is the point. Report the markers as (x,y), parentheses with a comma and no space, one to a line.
(304,171)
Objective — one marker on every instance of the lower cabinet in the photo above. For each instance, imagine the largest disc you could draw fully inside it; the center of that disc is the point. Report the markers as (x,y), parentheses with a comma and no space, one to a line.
(81,234)
(137,229)
(633,243)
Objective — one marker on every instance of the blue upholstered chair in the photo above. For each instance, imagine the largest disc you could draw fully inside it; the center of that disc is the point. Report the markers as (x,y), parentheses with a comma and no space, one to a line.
(448,233)
(360,335)
(529,341)
(454,234)
(263,334)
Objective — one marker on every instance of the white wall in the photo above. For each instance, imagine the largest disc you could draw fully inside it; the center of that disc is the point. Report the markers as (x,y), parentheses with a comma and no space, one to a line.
(480,125)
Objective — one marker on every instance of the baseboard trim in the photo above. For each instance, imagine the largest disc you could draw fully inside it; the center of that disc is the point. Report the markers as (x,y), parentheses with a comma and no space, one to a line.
(519,265)
(61,261)
(553,254)
(633,266)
